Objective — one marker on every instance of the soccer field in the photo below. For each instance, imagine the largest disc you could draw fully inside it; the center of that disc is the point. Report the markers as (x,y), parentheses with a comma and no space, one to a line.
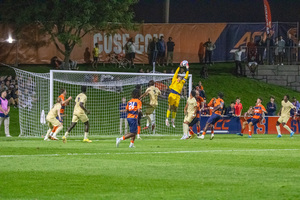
(160,167)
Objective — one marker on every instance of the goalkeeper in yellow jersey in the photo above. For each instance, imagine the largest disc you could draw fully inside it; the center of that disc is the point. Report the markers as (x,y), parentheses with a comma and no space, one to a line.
(174,96)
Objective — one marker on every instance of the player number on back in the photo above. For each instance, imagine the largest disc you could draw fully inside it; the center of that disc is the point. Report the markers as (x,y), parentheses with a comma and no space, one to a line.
(131,105)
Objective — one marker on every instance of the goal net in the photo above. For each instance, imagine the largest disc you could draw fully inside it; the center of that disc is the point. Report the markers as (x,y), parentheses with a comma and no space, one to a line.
(105,91)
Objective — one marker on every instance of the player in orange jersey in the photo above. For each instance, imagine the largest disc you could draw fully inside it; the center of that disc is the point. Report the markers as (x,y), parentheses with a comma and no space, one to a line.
(216,116)
(258,111)
(134,107)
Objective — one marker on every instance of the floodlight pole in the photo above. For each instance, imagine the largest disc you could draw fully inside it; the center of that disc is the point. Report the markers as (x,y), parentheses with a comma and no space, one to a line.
(166,11)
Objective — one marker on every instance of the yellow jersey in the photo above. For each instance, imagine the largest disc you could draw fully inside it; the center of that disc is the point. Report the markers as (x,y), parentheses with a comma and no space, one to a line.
(286,108)
(81,98)
(96,52)
(153,93)
(53,112)
(177,86)
(192,105)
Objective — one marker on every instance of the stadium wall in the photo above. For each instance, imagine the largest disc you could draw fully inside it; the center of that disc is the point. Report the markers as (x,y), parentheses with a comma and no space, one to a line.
(32,47)
(233,125)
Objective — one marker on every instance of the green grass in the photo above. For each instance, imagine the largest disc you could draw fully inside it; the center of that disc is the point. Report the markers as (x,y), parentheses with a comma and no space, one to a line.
(228,167)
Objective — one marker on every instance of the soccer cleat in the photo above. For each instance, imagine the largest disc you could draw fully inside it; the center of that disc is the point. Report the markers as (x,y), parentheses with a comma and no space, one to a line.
(279,136)
(118,140)
(46,139)
(193,136)
(146,127)
(167,123)
(249,136)
(64,139)
(131,145)
(201,137)
(8,135)
(292,133)
(212,136)
(184,137)
(54,138)
(240,134)
(139,137)
(173,124)
(87,140)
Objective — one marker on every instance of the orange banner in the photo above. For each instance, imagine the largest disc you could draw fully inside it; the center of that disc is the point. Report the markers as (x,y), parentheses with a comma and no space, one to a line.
(267,16)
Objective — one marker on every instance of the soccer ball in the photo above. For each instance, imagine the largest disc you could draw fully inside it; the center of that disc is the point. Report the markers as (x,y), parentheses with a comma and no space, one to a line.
(184,63)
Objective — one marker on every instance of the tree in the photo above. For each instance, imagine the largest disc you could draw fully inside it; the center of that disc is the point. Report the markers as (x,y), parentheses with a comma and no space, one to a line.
(67,21)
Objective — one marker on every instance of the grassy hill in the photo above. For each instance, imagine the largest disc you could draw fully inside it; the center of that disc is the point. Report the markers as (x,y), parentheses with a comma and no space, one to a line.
(220,78)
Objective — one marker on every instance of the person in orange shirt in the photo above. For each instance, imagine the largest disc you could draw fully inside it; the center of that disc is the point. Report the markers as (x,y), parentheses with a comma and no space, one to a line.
(211,105)
(134,107)
(216,116)
(64,103)
(258,110)
(196,120)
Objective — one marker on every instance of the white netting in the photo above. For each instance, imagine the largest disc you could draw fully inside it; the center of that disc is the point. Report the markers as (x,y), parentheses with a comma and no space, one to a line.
(104,94)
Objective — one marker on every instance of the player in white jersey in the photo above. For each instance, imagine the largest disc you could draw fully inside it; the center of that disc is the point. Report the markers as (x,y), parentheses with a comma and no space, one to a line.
(53,122)
(284,113)
(80,113)
(153,92)
(190,112)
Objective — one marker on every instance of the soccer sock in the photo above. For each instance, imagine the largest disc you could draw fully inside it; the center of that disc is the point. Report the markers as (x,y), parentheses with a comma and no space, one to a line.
(86,135)
(168,114)
(250,132)
(287,128)
(139,130)
(131,141)
(148,120)
(191,130)
(122,138)
(185,128)
(198,129)
(66,134)
(278,130)
(203,133)
(57,131)
(173,115)
(48,132)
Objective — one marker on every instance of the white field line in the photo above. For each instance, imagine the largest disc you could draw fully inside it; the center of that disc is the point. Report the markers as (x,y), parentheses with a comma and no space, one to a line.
(144,153)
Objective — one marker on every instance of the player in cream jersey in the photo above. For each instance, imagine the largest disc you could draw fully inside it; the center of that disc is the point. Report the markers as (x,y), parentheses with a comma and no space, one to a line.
(54,123)
(284,113)
(190,112)
(80,113)
(153,92)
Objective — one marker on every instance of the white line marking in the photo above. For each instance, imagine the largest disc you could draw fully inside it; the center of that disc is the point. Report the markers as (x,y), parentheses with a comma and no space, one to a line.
(143,153)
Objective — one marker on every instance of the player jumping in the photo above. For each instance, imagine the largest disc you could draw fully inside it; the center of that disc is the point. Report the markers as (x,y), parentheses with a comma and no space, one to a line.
(284,113)
(153,93)
(174,97)
(258,111)
(216,116)
(134,107)
(53,122)
(190,111)
(80,113)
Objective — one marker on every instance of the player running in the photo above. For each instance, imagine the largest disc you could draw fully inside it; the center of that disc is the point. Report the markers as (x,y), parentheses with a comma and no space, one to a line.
(216,116)
(153,92)
(134,107)
(53,122)
(284,113)
(64,103)
(190,112)
(174,97)
(80,113)
(258,110)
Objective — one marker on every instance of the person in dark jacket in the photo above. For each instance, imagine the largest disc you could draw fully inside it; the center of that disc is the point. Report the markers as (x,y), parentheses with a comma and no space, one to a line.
(271,107)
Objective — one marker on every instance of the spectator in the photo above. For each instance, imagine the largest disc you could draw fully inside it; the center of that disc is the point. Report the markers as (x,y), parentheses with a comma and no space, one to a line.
(95,56)
(251,51)
(290,51)
(4,112)
(201,52)
(131,51)
(147,70)
(276,52)
(260,44)
(149,52)
(141,70)
(270,48)
(87,55)
(123,115)
(201,90)
(238,61)
(271,107)
(170,50)
(238,107)
(296,104)
(281,49)
(154,49)
(161,51)
(56,63)
(230,111)
(209,47)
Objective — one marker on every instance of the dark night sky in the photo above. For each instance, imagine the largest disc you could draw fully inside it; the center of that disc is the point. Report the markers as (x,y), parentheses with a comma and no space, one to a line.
(203,11)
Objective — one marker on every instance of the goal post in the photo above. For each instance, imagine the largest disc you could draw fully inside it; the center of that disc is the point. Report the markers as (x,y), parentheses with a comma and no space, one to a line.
(105,91)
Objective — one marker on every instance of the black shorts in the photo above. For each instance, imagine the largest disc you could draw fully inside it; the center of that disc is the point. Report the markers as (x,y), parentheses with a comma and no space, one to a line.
(96,59)
(131,56)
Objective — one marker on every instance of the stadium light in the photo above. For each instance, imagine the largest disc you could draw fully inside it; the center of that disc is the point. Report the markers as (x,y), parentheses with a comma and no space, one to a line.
(10,40)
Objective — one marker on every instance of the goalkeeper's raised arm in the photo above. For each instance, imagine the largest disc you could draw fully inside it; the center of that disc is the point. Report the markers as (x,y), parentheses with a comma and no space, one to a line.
(175,90)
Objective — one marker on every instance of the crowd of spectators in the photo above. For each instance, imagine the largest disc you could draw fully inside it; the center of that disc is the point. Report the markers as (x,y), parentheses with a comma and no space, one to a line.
(10,84)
